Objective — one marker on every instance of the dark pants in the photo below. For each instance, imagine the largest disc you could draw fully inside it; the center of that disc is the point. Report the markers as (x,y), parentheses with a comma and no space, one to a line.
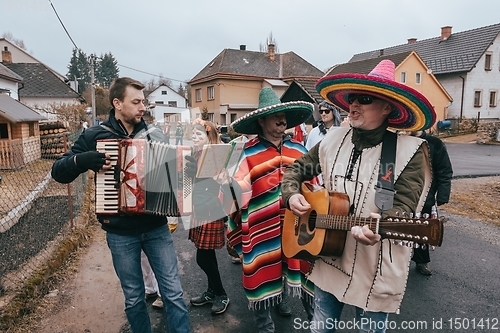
(178,139)
(421,254)
(207,261)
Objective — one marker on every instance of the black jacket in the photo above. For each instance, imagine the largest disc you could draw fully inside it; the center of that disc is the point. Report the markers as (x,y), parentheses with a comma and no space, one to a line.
(442,173)
(64,170)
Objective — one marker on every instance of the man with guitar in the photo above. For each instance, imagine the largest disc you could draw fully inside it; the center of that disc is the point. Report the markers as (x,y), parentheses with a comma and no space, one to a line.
(368,172)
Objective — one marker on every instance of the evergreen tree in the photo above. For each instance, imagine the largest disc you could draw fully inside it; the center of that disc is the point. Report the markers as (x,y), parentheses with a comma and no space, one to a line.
(73,72)
(79,69)
(83,66)
(106,70)
(181,90)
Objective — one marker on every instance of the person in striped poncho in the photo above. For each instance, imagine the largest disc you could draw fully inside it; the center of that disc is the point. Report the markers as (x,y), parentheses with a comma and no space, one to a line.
(256,184)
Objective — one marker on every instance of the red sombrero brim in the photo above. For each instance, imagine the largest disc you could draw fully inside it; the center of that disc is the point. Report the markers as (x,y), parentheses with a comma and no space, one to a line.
(413,112)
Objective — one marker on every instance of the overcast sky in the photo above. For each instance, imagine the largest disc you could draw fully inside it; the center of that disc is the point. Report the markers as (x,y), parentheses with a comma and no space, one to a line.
(178,38)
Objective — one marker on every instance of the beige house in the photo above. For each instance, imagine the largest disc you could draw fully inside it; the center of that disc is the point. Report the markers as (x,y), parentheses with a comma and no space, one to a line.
(229,85)
(410,70)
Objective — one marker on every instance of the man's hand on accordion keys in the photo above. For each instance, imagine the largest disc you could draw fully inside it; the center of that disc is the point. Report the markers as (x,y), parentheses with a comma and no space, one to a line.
(191,166)
(93,160)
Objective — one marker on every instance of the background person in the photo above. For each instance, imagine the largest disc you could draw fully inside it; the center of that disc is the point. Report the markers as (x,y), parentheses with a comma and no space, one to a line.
(208,229)
(128,235)
(330,117)
(439,193)
(179,133)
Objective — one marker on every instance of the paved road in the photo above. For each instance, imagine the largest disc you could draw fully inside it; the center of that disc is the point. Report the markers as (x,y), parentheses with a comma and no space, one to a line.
(470,159)
(464,289)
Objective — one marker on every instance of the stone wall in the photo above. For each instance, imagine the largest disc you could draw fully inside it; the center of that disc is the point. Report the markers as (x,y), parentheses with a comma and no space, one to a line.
(487,132)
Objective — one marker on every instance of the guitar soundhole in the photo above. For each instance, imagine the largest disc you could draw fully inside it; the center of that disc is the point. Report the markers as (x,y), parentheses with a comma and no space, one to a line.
(311,222)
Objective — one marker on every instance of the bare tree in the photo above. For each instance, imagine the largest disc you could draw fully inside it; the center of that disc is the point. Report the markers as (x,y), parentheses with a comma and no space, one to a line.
(269,40)
(73,114)
(18,42)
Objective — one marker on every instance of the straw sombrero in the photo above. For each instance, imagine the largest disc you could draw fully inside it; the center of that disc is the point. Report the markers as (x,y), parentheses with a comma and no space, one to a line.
(412,111)
(296,112)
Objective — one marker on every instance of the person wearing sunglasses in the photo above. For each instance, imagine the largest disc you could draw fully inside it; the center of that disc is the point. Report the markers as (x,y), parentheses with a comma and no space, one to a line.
(330,117)
(371,273)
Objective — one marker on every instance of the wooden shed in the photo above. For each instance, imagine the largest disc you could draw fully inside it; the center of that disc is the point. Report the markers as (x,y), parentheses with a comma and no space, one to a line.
(19,133)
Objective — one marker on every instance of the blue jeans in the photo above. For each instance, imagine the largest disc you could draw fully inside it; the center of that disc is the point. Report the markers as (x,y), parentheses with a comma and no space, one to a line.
(327,311)
(159,248)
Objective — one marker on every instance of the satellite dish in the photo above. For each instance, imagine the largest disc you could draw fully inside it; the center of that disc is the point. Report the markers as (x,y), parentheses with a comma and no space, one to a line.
(429,71)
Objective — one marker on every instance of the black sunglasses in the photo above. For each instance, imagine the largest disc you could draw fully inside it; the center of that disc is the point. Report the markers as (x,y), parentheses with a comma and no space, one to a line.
(362,99)
(326,111)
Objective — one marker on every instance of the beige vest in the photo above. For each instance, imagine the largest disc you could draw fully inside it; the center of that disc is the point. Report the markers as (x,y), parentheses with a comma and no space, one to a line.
(372,278)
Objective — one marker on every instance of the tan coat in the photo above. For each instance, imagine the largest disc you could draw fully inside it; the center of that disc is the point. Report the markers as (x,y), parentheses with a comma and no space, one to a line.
(369,277)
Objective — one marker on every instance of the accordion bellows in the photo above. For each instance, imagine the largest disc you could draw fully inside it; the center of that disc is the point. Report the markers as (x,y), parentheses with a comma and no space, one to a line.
(147,178)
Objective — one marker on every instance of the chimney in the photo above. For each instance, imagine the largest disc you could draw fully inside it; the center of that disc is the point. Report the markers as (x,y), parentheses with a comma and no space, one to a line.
(445,32)
(243,47)
(411,40)
(381,52)
(270,52)
(6,56)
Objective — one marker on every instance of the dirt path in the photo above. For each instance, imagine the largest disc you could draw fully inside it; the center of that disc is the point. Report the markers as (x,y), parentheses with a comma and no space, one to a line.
(92,301)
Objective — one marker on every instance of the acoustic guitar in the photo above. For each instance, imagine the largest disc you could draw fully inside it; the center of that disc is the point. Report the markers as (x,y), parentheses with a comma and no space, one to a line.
(323,230)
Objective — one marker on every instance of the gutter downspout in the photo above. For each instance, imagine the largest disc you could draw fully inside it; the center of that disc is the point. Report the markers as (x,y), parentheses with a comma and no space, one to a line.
(21,84)
(462,100)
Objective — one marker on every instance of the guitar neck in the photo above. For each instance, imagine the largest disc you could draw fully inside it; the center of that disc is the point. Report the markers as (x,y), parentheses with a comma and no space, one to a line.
(340,222)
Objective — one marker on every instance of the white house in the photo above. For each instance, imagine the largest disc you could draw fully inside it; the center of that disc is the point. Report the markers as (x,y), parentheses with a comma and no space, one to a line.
(40,87)
(9,82)
(466,63)
(168,106)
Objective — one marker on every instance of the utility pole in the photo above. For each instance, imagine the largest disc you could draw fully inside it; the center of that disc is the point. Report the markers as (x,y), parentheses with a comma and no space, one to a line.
(92,89)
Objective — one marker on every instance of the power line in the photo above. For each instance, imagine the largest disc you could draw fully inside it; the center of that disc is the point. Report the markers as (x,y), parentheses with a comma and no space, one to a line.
(67,33)
(161,77)
(76,47)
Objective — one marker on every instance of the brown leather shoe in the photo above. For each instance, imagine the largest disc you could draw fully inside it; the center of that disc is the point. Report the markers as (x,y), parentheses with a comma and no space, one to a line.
(423,269)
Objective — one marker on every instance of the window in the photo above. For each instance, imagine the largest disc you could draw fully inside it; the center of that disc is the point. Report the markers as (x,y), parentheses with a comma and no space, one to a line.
(4,131)
(403,77)
(493,98)
(487,62)
(31,129)
(198,94)
(159,102)
(210,93)
(172,104)
(233,117)
(418,78)
(163,92)
(477,98)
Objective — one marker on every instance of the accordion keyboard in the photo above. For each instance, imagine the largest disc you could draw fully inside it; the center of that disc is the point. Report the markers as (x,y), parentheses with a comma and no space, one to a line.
(107,198)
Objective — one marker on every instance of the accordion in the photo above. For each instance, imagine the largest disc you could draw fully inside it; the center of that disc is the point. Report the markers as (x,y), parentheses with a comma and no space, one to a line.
(147,177)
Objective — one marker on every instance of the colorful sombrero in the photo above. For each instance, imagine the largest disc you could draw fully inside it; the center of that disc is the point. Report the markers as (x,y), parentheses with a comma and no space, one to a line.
(296,112)
(412,111)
